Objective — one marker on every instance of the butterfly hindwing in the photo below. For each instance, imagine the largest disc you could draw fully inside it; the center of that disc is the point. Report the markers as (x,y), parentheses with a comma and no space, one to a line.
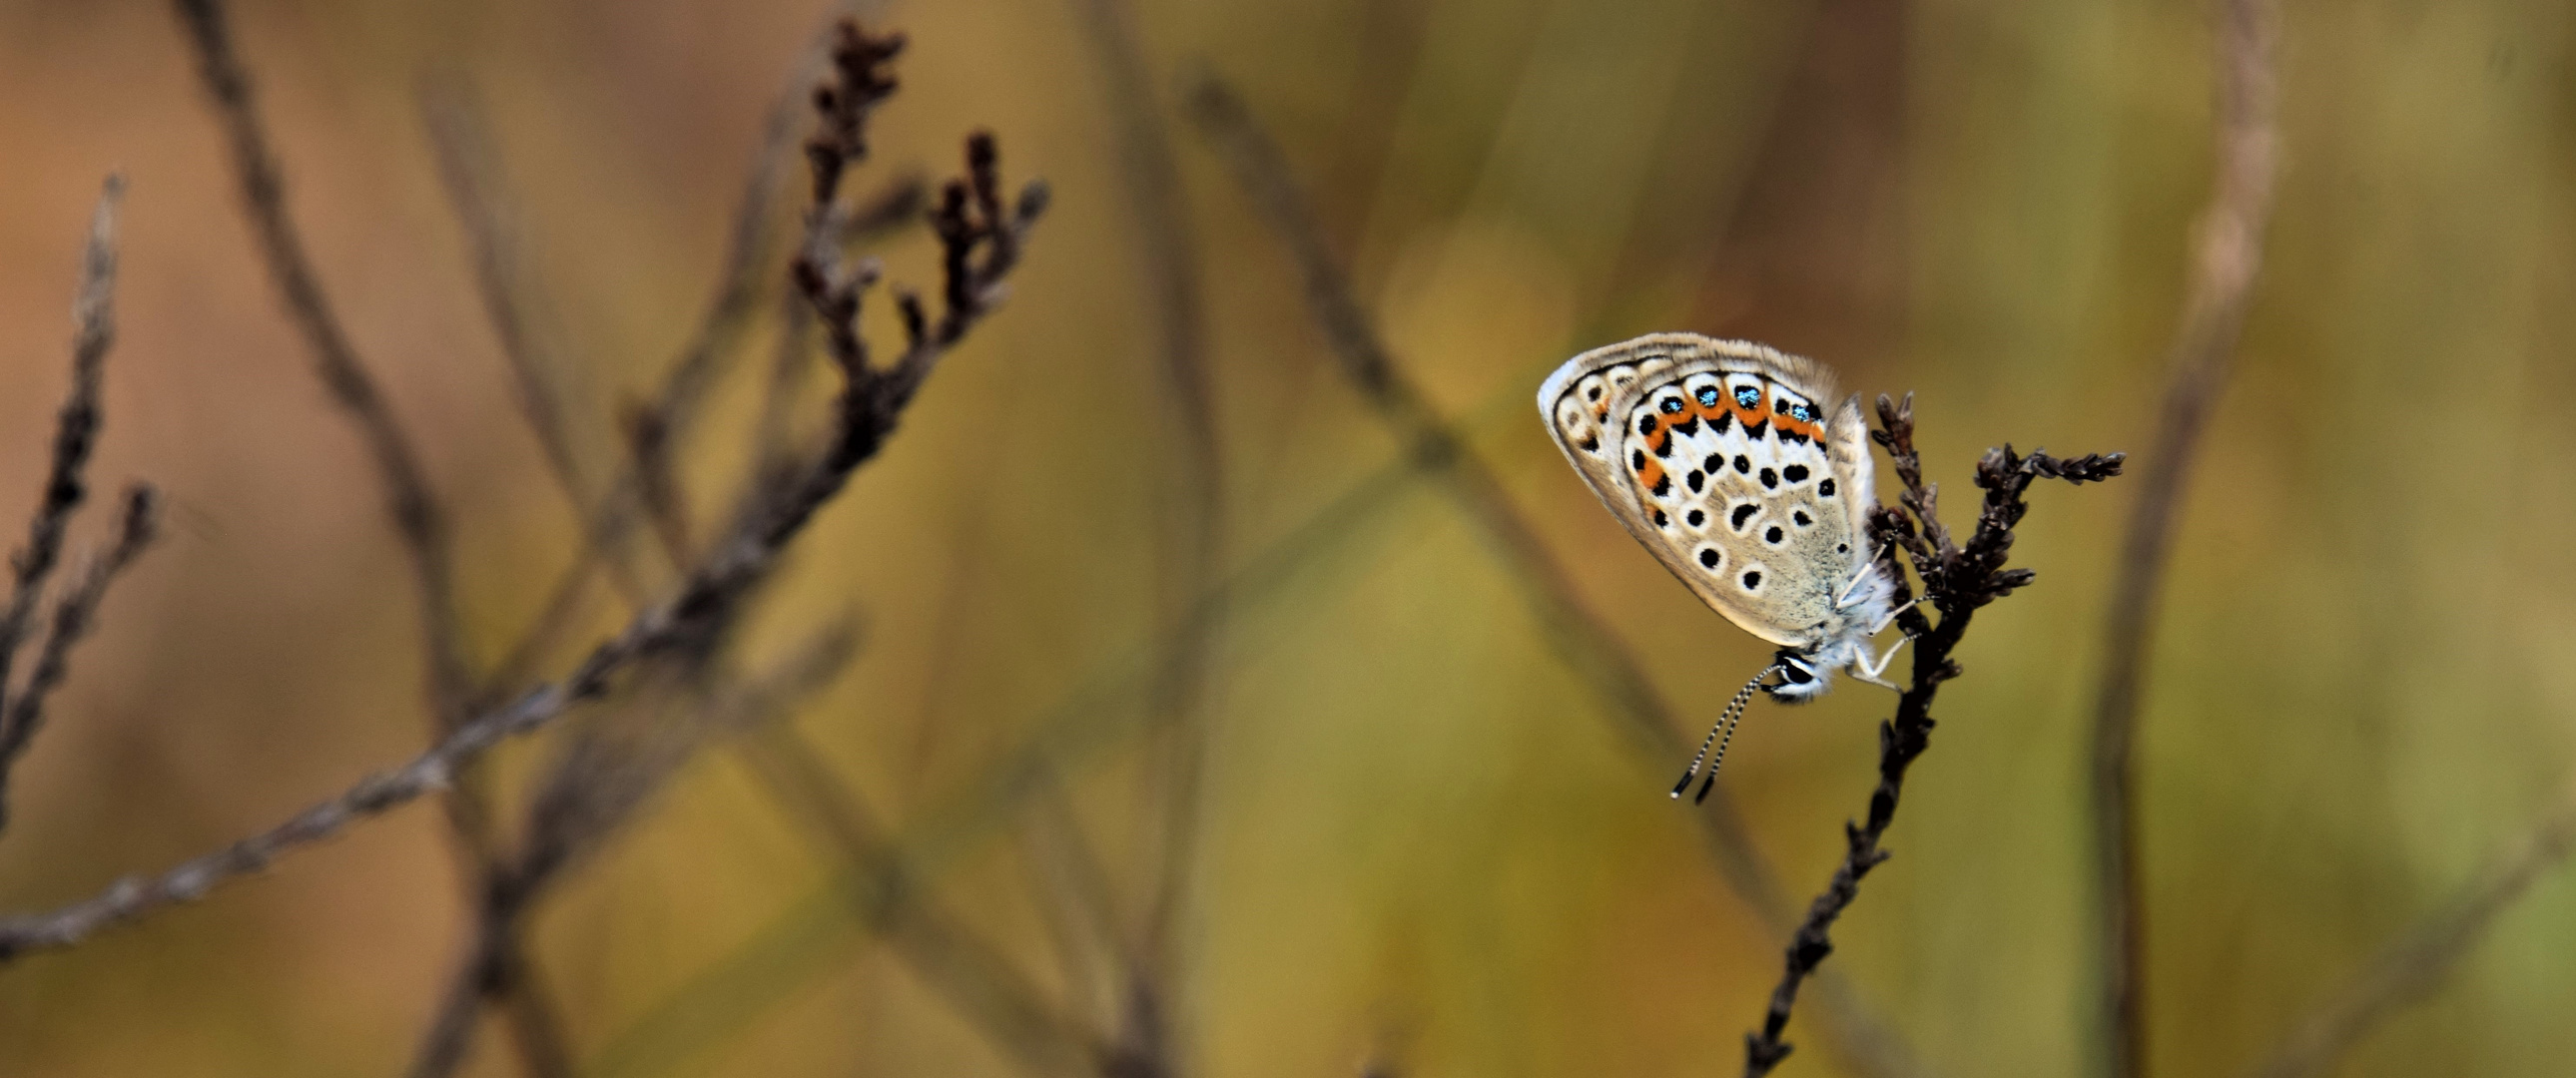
(1719,456)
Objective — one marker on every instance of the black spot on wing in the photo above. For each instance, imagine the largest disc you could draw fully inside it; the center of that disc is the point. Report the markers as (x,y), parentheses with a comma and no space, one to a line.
(1752,581)
(1709,557)
(1795,473)
(1770,479)
(1772,535)
(1696,518)
(1825,489)
(1696,480)
(1742,513)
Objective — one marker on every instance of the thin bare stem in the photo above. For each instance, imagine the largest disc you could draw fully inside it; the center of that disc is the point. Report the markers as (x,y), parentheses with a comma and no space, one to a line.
(2411,966)
(416,514)
(1956,581)
(455,693)
(2227,254)
(66,480)
(1582,640)
(598,783)
(871,404)
(74,613)
(134,897)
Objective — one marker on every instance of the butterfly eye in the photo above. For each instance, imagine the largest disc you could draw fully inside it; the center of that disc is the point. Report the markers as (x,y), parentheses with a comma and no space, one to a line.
(1708,396)
(1671,405)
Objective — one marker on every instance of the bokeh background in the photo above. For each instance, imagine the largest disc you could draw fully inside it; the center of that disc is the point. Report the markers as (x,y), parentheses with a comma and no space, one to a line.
(1423,843)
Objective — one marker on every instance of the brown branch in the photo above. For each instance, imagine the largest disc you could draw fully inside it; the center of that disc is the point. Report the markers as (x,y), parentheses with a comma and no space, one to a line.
(1581,638)
(2411,966)
(74,612)
(431,771)
(454,691)
(600,780)
(683,622)
(654,429)
(656,631)
(1194,514)
(2228,252)
(66,480)
(1956,581)
(597,784)
(871,403)
(416,514)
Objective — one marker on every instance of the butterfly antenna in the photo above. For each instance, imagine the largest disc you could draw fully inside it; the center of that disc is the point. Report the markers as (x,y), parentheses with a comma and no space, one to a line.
(1726,721)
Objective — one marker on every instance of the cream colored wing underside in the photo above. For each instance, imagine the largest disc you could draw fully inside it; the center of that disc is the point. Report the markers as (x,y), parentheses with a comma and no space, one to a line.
(1719,458)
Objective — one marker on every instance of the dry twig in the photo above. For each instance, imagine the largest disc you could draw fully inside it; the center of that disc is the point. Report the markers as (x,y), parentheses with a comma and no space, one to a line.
(2227,254)
(599,781)
(22,712)
(455,692)
(1956,581)
(982,245)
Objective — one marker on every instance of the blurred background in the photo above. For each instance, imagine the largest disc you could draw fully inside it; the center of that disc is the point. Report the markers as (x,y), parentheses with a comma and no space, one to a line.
(1423,843)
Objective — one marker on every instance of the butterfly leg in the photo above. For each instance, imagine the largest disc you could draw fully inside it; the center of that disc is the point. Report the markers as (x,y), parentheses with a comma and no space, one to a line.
(1868,669)
(1881,627)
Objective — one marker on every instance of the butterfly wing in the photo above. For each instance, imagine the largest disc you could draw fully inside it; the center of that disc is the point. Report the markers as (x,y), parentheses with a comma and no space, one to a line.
(1719,457)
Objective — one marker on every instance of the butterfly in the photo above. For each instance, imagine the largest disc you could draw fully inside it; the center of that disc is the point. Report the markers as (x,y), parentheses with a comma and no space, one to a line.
(1721,457)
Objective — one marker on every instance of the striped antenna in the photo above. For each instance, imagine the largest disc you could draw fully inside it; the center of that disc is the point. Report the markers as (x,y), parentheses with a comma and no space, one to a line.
(1726,721)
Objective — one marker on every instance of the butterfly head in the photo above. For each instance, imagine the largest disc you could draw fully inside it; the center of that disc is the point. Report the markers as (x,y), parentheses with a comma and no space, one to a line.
(1802,678)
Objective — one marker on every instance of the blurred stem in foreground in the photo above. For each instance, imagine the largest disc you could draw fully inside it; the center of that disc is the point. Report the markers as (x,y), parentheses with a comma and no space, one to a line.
(1957,579)
(2227,254)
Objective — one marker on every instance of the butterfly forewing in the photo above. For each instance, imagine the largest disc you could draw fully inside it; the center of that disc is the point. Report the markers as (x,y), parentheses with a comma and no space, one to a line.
(1719,456)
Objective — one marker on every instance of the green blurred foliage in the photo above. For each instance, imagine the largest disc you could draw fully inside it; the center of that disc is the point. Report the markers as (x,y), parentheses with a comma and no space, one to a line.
(1424,843)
